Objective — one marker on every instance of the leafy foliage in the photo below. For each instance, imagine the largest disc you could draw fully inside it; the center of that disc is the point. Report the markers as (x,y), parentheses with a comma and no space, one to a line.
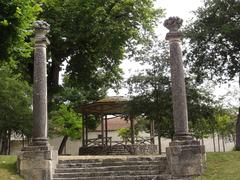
(16,18)
(15,107)
(201,108)
(124,133)
(152,88)
(15,103)
(214,40)
(225,121)
(75,96)
(92,36)
(66,122)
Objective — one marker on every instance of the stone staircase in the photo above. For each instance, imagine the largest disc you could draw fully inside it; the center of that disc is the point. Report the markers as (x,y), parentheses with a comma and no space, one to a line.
(111,167)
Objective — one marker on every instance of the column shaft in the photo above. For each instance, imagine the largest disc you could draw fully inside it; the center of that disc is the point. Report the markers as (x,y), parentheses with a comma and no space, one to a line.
(180,115)
(178,89)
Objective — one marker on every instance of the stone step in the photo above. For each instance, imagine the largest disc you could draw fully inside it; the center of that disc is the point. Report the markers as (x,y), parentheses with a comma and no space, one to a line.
(113,154)
(108,163)
(113,158)
(122,177)
(106,173)
(111,168)
(119,150)
(118,153)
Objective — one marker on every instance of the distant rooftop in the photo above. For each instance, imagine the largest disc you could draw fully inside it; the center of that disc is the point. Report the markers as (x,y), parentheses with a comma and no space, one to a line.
(113,99)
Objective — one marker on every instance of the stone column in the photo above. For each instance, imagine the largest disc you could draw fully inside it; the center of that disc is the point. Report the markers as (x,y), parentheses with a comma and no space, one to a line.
(180,115)
(185,156)
(40,84)
(38,160)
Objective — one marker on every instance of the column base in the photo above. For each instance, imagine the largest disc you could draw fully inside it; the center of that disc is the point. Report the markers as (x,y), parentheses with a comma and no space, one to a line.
(182,137)
(185,159)
(37,162)
(40,142)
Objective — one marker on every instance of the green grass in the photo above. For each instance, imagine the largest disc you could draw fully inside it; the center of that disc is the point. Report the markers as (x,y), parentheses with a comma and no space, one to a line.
(8,170)
(222,166)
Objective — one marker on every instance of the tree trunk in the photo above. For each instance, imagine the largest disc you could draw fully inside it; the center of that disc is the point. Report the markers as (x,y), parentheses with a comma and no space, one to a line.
(9,142)
(214,144)
(53,79)
(223,143)
(202,141)
(0,145)
(159,143)
(4,143)
(237,147)
(218,142)
(23,140)
(152,132)
(28,141)
(234,139)
(63,145)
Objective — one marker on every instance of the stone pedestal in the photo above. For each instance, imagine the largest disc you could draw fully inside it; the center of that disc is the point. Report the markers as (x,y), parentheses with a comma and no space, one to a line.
(185,159)
(37,162)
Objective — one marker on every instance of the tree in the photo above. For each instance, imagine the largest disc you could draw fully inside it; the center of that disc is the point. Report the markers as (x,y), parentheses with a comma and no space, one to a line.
(93,36)
(214,44)
(125,134)
(15,107)
(16,19)
(75,96)
(150,89)
(65,101)
(67,123)
(201,109)
(224,121)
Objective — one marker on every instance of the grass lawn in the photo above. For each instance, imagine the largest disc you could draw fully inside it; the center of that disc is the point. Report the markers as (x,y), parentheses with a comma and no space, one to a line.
(8,168)
(222,166)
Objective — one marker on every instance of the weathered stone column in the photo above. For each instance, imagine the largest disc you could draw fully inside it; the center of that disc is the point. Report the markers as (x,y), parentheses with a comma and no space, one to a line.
(185,156)
(40,85)
(38,160)
(180,115)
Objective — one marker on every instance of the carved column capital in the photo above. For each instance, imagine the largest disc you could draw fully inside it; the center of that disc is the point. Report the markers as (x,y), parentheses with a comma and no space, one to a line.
(41,29)
(173,24)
